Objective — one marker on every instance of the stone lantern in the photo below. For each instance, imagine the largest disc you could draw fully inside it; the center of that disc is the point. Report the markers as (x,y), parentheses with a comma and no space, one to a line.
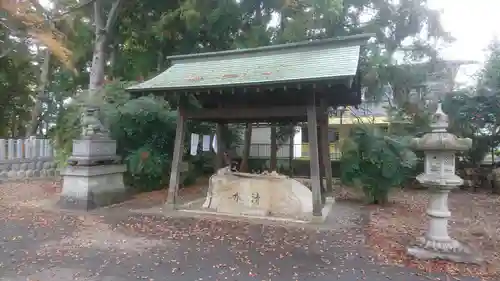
(439,176)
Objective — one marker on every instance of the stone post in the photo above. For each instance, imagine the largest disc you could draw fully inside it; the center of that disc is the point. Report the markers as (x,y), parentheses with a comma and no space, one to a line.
(11,149)
(3,146)
(33,149)
(49,150)
(439,176)
(19,149)
(27,149)
(41,144)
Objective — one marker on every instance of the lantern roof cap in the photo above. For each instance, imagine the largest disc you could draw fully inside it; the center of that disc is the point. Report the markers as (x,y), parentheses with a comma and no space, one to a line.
(439,139)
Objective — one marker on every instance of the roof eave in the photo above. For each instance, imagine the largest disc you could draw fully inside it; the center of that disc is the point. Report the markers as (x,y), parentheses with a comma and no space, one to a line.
(241,85)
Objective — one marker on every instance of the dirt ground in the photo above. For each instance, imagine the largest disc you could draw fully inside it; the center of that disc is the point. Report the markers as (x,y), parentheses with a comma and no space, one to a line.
(475,221)
(158,197)
(117,244)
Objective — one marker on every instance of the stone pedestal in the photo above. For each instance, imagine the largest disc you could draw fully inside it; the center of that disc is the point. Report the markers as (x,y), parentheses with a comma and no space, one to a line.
(94,151)
(258,195)
(86,188)
(94,177)
(439,176)
(437,243)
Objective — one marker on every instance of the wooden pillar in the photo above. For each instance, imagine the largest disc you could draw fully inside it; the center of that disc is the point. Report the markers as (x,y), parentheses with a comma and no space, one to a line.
(291,151)
(219,156)
(273,155)
(173,186)
(314,157)
(321,157)
(325,145)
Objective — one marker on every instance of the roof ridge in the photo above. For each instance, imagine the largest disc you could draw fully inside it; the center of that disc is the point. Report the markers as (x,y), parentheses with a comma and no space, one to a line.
(358,39)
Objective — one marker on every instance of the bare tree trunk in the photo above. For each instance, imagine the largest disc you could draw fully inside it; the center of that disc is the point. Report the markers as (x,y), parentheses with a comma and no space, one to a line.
(159,61)
(98,64)
(36,113)
(96,77)
(21,125)
(291,151)
(15,125)
(12,125)
(273,163)
(102,39)
(112,60)
(246,148)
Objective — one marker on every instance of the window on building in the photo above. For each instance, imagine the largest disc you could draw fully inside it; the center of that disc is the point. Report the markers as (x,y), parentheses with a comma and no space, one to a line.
(333,135)
(385,129)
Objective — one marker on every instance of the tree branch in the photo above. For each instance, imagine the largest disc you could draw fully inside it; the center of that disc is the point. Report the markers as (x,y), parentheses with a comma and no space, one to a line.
(73,9)
(113,15)
(14,31)
(40,8)
(6,52)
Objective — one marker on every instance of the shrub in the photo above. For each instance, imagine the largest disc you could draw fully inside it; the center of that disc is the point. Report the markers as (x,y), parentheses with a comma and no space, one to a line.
(375,162)
(145,167)
(144,129)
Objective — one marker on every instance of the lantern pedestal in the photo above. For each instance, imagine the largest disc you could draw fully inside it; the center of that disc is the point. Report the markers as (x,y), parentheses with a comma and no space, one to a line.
(452,250)
(437,244)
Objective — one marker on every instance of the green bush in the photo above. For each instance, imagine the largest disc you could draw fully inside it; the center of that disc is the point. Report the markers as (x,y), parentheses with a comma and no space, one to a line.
(375,162)
(144,129)
(145,167)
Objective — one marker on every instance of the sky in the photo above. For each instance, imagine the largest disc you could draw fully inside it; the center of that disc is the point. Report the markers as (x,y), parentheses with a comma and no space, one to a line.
(473,24)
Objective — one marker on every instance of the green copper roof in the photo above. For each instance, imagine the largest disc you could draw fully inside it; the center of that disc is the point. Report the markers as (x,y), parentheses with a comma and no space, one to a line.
(311,60)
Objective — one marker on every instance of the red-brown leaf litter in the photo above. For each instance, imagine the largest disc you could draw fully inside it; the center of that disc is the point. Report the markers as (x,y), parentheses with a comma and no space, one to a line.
(474,221)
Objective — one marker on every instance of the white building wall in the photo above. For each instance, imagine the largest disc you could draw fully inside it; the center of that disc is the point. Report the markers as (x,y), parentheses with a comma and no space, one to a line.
(261,144)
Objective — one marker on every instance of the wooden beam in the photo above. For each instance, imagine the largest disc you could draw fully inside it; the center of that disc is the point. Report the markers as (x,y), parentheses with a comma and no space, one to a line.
(312,126)
(173,186)
(247,113)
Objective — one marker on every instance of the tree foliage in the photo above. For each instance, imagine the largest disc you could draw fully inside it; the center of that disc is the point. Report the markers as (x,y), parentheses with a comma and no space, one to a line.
(408,28)
(26,19)
(475,112)
(135,47)
(17,78)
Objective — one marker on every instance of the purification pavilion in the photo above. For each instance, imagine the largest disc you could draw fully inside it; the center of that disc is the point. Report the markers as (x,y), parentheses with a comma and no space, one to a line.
(294,82)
